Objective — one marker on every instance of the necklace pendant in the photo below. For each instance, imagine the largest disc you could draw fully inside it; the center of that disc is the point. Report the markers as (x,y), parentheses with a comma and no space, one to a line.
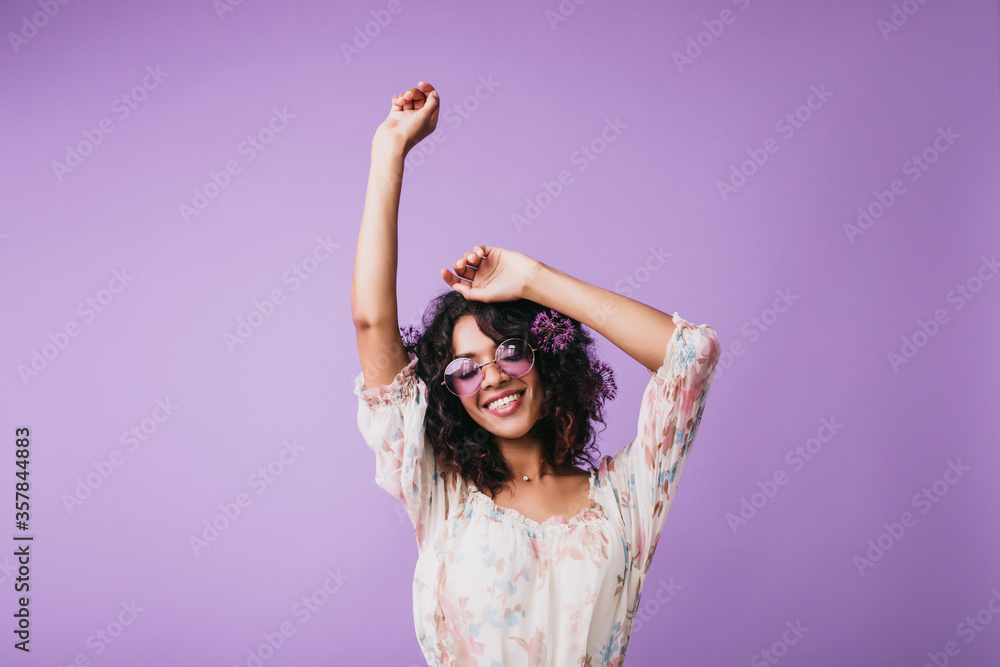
(525,478)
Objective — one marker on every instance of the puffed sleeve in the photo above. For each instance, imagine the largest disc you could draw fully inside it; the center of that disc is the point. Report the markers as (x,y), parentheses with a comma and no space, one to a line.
(391,420)
(644,475)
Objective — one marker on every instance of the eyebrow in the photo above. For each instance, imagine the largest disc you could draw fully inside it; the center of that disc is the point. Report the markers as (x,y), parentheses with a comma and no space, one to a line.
(471,355)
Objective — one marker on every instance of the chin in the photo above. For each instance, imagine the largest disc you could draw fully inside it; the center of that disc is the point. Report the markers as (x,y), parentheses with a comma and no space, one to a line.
(507,431)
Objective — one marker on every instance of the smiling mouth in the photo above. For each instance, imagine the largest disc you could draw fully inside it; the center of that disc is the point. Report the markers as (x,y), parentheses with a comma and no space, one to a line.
(505,405)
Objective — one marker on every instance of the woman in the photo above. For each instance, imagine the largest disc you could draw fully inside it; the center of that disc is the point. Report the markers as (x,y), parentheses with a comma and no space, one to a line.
(524,558)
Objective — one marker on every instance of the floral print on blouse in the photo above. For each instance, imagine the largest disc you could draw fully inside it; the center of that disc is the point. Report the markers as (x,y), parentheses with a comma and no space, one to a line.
(494,588)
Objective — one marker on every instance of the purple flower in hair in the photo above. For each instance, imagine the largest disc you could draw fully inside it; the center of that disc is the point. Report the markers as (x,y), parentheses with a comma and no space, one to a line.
(555,332)
(410,337)
(608,389)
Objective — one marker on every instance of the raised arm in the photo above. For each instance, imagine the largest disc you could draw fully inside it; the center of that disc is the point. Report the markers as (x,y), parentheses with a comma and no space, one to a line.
(373,289)
(639,330)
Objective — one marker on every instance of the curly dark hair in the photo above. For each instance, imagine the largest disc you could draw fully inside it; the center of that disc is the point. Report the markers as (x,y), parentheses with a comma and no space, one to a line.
(572,400)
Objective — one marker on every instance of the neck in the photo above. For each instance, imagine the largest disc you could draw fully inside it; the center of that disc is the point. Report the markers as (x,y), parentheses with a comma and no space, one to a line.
(524,456)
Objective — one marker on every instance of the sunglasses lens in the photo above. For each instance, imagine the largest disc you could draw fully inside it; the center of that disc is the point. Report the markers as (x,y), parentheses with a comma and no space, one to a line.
(463,377)
(515,358)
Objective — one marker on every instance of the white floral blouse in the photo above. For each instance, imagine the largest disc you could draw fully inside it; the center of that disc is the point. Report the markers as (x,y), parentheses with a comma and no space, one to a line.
(494,588)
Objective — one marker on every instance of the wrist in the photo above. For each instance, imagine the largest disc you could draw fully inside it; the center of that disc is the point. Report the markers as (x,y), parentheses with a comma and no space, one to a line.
(534,282)
(389,147)
(388,160)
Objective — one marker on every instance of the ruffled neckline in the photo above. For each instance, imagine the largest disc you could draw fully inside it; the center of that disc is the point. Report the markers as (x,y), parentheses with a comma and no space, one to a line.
(555,524)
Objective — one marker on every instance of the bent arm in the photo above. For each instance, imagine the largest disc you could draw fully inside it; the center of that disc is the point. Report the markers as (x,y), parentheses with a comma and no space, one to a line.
(641,331)
(373,287)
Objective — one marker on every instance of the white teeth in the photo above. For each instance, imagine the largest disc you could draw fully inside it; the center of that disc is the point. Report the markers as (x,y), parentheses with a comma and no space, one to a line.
(499,403)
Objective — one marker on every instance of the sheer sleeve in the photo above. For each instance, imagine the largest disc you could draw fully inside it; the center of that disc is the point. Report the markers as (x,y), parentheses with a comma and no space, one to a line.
(644,475)
(391,420)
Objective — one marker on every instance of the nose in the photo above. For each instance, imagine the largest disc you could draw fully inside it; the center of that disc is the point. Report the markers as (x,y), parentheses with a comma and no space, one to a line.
(492,375)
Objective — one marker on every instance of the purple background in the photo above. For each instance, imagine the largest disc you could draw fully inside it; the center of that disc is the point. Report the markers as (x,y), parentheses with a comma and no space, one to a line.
(64,232)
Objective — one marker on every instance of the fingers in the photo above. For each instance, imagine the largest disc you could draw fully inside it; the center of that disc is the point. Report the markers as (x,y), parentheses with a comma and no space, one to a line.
(477,255)
(467,265)
(464,268)
(455,282)
(430,93)
(403,100)
(431,104)
(411,96)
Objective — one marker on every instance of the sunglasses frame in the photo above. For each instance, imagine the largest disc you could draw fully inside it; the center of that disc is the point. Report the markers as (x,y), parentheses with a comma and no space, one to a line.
(480,369)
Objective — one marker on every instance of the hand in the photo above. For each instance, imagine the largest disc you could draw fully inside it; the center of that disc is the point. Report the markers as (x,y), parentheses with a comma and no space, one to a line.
(412,117)
(491,274)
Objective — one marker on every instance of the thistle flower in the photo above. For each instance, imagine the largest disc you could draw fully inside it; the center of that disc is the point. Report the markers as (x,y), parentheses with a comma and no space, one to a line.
(410,336)
(555,332)
(608,389)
